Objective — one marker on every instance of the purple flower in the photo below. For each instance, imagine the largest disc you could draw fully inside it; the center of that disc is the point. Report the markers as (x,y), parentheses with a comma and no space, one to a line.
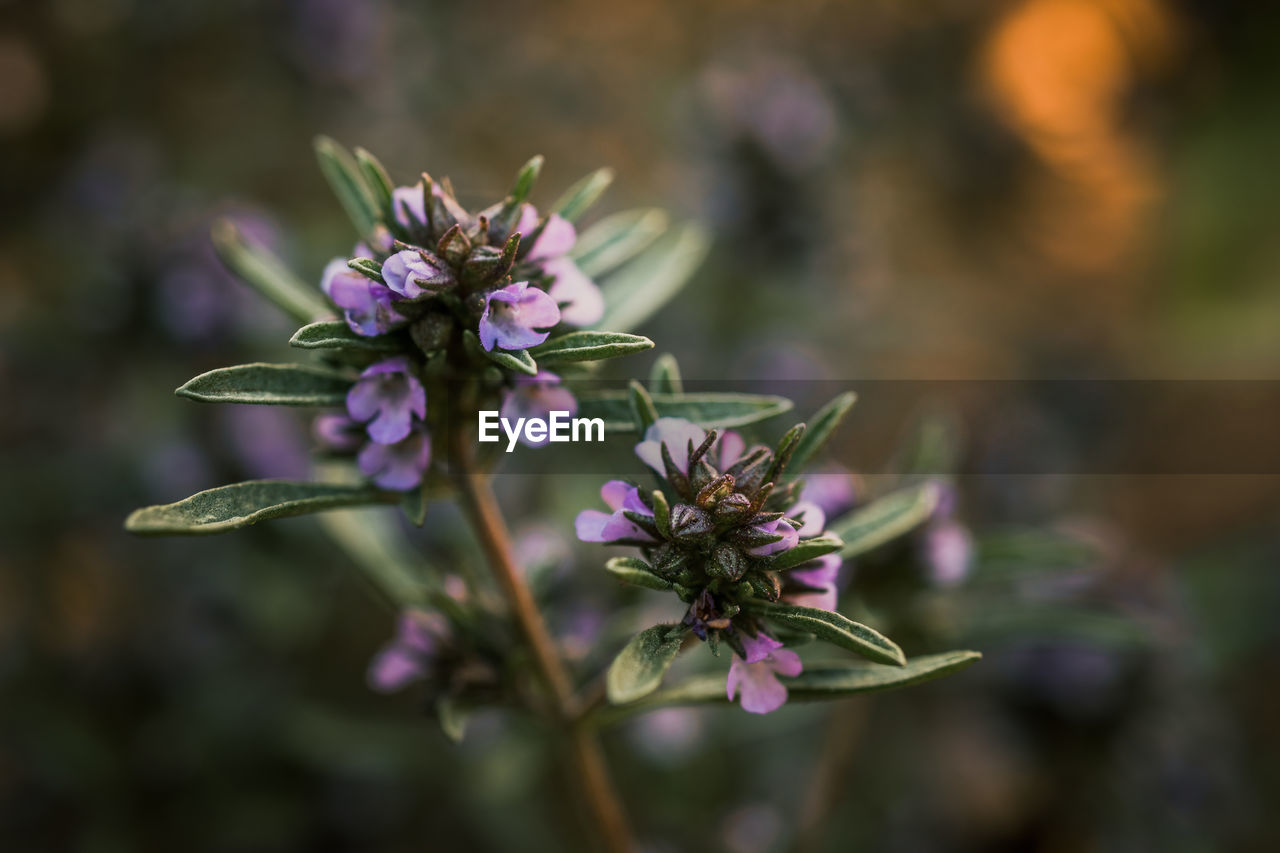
(812,518)
(677,434)
(406,271)
(400,466)
(832,490)
(537,397)
(581,302)
(790,536)
(704,615)
(948,552)
(367,306)
(821,574)
(407,657)
(731,447)
(387,396)
(756,676)
(593,525)
(407,205)
(514,315)
(337,433)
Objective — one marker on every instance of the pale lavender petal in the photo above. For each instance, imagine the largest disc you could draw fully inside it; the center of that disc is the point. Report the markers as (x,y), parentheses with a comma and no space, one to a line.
(397,467)
(731,447)
(813,518)
(590,525)
(528,220)
(391,424)
(676,433)
(580,300)
(759,647)
(948,549)
(363,400)
(786,662)
(537,397)
(833,490)
(761,691)
(616,493)
(514,315)
(557,237)
(337,433)
(410,197)
(407,270)
(393,668)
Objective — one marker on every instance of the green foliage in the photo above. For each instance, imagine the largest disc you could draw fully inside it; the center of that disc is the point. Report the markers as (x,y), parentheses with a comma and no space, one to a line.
(345,179)
(664,376)
(264,272)
(820,428)
(885,519)
(803,552)
(579,197)
(589,346)
(616,239)
(637,292)
(706,409)
(335,334)
(242,504)
(834,628)
(636,572)
(639,667)
(270,384)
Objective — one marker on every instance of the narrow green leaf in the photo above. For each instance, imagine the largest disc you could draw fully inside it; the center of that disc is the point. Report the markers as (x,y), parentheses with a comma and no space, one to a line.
(589,346)
(453,714)
(637,292)
(377,181)
(707,410)
(579,197)
(885,519)
(820,427)
(803,552)
(636,572)
(1073,623)
(664,376)
(525,180)
(376,542)
(817,683)
(335,334)
(343,174)
(618,238)
(835,628)
(643,413)
(1018,552)
(242,504)
(521,361)
(639,667)
(264,272)
(270,384)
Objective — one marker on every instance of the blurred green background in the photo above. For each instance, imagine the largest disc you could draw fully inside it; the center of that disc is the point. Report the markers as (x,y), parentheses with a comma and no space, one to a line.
(947,190)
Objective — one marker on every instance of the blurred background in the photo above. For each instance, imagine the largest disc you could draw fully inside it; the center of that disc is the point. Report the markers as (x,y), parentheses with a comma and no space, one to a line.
(1033,189)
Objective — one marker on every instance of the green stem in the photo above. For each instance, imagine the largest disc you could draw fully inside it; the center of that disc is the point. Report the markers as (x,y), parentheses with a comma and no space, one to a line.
(586,757)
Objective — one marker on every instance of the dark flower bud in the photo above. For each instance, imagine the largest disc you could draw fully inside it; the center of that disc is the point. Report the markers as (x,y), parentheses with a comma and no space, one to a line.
(690,522)
(733,507)
(432,331)
(727,562)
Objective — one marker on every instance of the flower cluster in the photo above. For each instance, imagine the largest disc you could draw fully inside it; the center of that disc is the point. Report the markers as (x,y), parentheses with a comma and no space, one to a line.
(724,531)
(454,290)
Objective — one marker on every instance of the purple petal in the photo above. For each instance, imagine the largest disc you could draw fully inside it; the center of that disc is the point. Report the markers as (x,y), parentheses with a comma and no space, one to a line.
(759,647)
(833,490)
(337,433)
(788,541)
(363,400)
(528,220)
(393,668)
(760,689)
(676,433)
(580,300)
(391,425)
(513,315)
(590,525)
(397,467)
(731,447)
(948,550)
(410,197)
(557,237)
(617,492)
(814,519)
(786,662)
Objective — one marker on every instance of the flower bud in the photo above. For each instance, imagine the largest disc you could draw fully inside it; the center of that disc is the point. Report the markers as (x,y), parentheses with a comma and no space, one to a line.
(689,523)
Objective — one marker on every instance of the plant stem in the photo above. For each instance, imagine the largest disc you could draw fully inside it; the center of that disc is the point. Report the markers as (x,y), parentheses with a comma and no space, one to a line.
(586,757)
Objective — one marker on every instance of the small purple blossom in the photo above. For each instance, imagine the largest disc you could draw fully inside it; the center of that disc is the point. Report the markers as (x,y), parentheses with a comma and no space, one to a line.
(400,466)
(821,575)
(580,300)
(677,434)
(731,448)
(408,270)
(833,490)
(337,433)
(407,657)
(756,676)
(790,536)
(369,307)
(408,205)
(704,615)
(517,316)
(387,397)
(813,519)
(948,553)
(537,397)
(592,525)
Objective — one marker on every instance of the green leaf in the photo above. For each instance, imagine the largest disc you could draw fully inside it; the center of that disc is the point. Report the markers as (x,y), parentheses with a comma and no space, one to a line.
(242,504)
(376,542)
(816,683)
(270,384)
(1072,623)
(376,180)
(453,714)
(803,552)
(639,667)
(636,293)
(264,272)
(664,376)
(707,410)
(335,334)
(616,239)
(885,519)
(835,628)
(636,572)
(589,346)
(521,361)
(343,175)
(583,194)
(820,427)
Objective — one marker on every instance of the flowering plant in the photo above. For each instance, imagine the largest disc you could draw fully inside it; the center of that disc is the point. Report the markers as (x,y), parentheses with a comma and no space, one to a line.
(442,313)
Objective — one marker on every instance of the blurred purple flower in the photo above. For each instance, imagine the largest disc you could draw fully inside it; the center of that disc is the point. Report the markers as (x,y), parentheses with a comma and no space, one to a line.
(408,205)
(731,447)
(756,676)
(407,657)
(369,307)
(268,440)
(386,397)
(811,516)
(821,574)
(790,536)
(580,300)
(514,315)
(398,466)
(337,433)
(406,271)
(677,434)
(948,553)
(556,239)
(537,397)
(592,525)
(832,489)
